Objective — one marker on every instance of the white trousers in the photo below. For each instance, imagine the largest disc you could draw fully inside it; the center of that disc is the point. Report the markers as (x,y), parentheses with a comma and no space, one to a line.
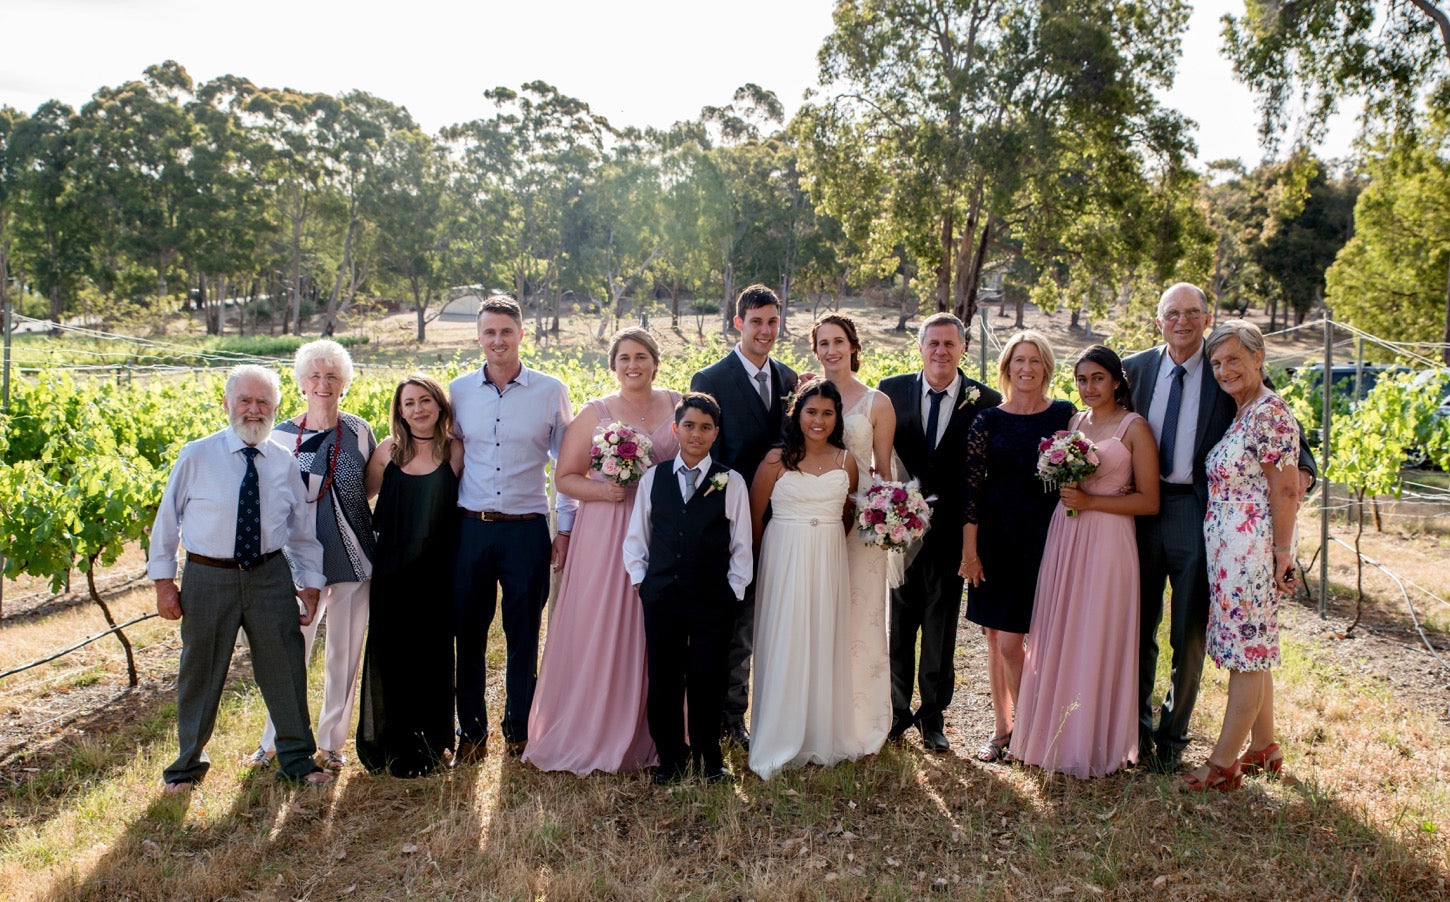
(346,609)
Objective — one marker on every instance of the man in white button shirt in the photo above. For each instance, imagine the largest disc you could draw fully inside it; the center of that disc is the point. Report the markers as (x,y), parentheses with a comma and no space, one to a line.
(1173,385)
(234,502)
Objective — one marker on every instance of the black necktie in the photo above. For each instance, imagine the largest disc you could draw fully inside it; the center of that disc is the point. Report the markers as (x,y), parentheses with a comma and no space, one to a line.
(933,417)
(1170,421)
(249,516)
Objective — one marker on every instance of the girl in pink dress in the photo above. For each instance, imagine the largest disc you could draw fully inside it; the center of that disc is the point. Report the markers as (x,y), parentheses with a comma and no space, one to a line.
(589,707)
(1077,712)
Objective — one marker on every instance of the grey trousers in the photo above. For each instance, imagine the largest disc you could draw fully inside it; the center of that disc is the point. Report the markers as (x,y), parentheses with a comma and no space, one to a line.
(215,603)
(1171,550)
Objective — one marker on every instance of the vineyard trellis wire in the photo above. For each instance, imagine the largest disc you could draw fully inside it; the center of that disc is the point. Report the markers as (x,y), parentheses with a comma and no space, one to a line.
(147,421)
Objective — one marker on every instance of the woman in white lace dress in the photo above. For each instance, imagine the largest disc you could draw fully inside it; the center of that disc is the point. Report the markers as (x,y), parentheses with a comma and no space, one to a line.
(862,665)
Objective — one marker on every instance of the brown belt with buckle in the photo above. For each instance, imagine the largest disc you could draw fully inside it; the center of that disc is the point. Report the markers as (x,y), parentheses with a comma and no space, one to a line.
(497,516)
(226,563)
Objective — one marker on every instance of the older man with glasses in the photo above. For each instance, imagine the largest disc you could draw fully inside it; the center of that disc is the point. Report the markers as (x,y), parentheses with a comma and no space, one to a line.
(1173,386)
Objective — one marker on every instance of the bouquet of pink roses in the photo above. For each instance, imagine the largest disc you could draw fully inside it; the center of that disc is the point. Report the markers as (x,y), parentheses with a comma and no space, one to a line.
(621,453)
(892,515)
(1065,458)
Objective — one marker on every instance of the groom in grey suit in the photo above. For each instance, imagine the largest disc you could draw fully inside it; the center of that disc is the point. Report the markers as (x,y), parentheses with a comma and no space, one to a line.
(1173,386)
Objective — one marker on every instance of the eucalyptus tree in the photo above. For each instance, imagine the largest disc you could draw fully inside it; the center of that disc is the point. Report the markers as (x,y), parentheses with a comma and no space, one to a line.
(615,236)
(1389,277)
(1392,54)
(53,235)
(684,265)
(525,168)
(415,207)
(953,107)
(11,166)
(296,167)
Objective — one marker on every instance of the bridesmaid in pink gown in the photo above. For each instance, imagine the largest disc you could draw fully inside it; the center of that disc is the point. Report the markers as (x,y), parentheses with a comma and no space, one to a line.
(589,707)
(1077,712)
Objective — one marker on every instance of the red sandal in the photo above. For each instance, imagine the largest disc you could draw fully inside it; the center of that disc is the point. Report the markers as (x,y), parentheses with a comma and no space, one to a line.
(1268,758)
(1222,779)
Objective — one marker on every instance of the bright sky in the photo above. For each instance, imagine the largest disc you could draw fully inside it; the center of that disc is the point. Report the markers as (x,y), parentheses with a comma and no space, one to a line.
(637,62)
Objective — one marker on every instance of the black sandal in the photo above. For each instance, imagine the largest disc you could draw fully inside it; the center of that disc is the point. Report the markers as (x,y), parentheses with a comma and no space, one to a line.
(995,749)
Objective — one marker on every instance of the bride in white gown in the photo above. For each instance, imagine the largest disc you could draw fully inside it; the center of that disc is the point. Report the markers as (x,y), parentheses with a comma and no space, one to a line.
(862,661)
(799,713)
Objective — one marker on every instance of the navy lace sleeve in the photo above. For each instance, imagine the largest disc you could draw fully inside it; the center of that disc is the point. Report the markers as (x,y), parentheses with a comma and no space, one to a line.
(975,464)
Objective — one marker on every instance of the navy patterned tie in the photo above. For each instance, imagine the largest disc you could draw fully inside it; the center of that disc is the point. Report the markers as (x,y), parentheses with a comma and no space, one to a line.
(1170,421)
(933,417)
(249,516)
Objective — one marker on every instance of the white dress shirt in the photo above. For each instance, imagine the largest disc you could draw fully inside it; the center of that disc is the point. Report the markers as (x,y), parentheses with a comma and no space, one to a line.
(199,508)
(947,404)
(1188,405)
(751,369)
(737,511)
(508,436)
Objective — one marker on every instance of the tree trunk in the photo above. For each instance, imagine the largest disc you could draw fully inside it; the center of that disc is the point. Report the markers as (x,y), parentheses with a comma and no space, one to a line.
(944,269)
(974,278)
(727,312)
(111,622)
(1445,348)
(293,317)
(329,316)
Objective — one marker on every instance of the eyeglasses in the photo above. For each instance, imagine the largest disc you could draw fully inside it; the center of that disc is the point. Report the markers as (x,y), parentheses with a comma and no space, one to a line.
(1193,316)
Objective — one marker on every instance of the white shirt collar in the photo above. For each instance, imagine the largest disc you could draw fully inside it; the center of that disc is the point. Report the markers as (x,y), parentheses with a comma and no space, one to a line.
(703,465)
(1190,366)
(951,389)
(750,368)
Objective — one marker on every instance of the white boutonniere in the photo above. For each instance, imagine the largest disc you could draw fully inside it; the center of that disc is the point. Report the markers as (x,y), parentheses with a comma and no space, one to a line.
(970,396)
(717,483)
(786,400)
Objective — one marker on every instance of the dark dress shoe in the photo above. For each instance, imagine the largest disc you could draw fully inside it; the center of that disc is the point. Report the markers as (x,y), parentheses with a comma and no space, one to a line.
(469,752)
(668,775)
(897,734)
(719,775)
(1166,761)
(737,734)
(935,741)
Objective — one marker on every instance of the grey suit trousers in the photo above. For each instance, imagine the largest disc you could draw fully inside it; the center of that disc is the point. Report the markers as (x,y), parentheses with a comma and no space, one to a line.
(215,603)
(1171,550)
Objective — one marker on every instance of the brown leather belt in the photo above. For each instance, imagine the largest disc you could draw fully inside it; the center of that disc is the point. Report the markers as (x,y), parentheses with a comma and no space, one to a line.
(497,516)
(226,563)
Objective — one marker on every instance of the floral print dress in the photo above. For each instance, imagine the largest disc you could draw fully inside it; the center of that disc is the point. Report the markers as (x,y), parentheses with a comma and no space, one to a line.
(1243,613)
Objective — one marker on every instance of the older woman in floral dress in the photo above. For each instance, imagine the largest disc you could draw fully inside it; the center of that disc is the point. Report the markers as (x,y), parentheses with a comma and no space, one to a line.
(1253,498)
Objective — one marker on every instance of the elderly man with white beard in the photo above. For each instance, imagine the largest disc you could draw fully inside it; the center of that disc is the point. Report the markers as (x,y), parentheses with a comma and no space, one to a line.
(234,502)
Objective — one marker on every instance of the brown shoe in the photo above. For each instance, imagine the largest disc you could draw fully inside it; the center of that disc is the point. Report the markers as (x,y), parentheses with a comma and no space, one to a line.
(469,752)
(515,749)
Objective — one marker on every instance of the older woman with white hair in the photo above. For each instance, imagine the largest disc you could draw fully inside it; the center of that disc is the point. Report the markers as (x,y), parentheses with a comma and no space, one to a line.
(332,448)
(1253,498)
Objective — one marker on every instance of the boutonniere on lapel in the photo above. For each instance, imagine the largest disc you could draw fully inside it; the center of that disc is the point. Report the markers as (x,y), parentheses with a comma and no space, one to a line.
(717,483)
(970,396)
(786,400)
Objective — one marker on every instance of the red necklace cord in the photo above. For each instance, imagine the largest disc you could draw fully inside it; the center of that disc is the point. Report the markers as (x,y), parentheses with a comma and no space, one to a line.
(331,458)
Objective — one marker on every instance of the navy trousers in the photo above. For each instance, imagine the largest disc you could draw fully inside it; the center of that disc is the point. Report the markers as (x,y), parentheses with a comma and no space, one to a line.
(512,556)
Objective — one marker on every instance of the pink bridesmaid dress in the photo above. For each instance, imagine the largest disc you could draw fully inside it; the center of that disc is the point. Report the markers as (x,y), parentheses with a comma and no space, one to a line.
(1077,712)
(589,713)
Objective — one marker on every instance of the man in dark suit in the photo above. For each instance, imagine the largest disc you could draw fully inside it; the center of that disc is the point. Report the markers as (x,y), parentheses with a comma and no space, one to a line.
(1173,386)
(933,408)
(751,389)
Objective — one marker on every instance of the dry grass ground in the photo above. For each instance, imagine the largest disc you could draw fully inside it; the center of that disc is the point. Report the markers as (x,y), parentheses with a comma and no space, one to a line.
(1362,817)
